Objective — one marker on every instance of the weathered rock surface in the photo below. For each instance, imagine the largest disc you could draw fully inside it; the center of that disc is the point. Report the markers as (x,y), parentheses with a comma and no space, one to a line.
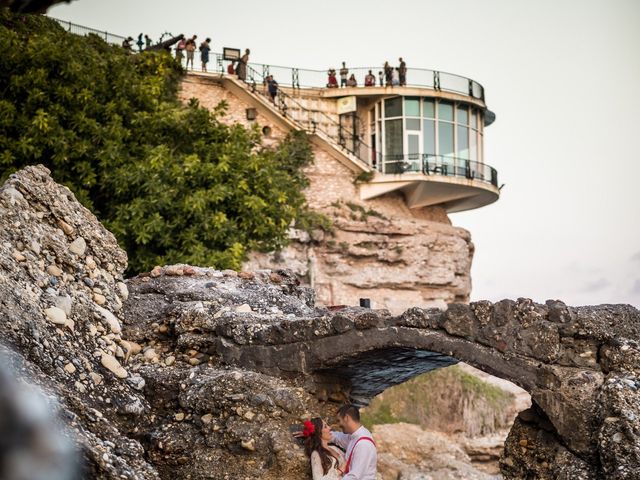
(398,263)
(219,365)
(409,452)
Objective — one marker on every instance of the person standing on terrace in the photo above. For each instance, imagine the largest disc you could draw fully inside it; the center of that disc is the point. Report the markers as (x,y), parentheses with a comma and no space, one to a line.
(204,53)
(388,75)
(190,48)
(180,50)
(344,73)
(147,41)
(332,81)
(370,80)
(241,69)
(402,71)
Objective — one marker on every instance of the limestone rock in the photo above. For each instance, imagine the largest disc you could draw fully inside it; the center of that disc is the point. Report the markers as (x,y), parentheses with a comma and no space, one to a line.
(111,319)
(56,315)
(111,363)
(78,246)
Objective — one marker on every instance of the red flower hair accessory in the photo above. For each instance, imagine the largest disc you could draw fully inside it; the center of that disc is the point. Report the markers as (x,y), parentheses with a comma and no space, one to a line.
(309,429)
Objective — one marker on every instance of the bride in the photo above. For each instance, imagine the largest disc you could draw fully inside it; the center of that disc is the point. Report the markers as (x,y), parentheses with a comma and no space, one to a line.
(326,460)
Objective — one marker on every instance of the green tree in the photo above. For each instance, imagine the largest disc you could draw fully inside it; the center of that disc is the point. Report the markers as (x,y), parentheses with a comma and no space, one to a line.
(171,181)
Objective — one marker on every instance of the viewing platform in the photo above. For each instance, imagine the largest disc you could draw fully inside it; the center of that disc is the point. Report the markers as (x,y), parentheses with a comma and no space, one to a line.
(424,139)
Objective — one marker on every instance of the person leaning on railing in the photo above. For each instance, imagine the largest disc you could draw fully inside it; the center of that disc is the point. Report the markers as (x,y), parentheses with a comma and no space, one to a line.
(370,80)
(241,69)
(332,81)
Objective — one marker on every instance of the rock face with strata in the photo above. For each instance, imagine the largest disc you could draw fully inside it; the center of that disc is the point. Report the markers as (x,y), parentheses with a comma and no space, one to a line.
(188,372)
(396,260)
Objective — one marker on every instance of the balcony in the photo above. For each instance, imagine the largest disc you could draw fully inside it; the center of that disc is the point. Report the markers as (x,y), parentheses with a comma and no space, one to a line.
(454,184)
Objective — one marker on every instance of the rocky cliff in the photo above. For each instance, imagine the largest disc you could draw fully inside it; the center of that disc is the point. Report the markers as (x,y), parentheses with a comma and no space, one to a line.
(188,372)
(398,261)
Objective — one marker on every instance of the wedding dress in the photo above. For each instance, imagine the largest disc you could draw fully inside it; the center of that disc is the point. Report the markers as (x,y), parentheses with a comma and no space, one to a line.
(333,473)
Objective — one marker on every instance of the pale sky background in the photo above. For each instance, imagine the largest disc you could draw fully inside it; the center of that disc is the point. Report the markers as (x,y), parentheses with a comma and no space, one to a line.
(563,77)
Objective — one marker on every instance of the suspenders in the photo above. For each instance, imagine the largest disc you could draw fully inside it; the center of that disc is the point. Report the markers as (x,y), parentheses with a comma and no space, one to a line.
(347,466)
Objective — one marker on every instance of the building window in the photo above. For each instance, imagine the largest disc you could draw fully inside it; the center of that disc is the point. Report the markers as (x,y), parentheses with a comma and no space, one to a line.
(393,107)
(410,129)
(411,107)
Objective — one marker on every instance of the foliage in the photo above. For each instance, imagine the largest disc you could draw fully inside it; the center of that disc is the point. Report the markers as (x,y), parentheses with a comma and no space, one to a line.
(170,180)
(443,399)
(310,220)
(381,415)
(363,212)
(364,177)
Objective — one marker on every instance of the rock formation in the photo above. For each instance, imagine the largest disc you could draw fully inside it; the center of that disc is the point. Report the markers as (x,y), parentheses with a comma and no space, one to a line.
(396,260)
(188,372)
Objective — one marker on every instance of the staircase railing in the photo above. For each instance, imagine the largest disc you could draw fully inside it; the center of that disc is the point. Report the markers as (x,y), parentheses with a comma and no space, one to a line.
(344,137)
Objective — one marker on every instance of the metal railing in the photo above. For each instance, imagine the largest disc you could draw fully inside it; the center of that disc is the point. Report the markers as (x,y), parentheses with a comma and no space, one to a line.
(437,165)
(82,30)
(312,121)
(307,78)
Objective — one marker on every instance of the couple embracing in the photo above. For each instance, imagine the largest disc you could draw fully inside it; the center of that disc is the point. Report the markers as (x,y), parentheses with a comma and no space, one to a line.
(340,456)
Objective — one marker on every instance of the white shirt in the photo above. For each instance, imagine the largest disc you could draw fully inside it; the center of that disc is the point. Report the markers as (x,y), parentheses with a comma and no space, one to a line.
(364,458)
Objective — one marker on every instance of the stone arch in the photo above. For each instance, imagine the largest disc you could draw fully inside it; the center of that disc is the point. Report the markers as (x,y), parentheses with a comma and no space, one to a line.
(560,355)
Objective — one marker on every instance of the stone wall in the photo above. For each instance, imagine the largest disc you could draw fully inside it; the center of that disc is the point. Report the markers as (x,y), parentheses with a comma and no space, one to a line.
(380,249)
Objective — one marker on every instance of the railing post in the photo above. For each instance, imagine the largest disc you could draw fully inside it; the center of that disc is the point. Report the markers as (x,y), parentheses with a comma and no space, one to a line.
(219,63)
(69,27)
(265,71)
(295,78)
(436,80)
(470,88)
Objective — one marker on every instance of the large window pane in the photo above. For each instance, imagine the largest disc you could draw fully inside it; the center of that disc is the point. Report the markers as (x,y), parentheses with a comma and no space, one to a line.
(445,111)
(411,107)
(429,136)
(445,139)
(413,150)
(393,107)
(428,109)
(462,115)
(473,147)
(474,118)
(394,158)
(463,142)
(393,137)
(413,124)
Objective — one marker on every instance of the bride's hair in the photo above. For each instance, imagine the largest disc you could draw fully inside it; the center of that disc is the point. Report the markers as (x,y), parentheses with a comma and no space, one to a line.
(313,443)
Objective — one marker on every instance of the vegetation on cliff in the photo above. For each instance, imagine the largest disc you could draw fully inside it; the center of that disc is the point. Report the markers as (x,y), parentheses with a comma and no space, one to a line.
(448,399)
(170,180)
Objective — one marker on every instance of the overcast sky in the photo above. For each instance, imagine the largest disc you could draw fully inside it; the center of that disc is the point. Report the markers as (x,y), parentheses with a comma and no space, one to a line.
(563,78)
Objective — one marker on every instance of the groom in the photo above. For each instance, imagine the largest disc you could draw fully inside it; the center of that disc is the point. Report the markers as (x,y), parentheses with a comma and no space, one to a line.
(360,449)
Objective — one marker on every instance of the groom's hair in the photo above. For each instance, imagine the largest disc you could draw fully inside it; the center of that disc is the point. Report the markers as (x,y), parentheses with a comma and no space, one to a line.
(350,410)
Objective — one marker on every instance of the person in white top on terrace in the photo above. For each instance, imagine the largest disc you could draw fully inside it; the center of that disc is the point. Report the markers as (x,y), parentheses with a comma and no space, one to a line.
(360,449)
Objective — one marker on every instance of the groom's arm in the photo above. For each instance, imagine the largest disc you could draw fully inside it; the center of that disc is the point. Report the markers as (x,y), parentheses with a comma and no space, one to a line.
(340,439)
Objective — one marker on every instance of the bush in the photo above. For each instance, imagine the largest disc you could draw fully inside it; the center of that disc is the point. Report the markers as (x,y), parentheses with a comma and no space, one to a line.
(171,181)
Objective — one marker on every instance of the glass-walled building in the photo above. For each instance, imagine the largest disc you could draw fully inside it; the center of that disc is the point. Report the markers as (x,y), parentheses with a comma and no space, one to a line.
(427,135)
